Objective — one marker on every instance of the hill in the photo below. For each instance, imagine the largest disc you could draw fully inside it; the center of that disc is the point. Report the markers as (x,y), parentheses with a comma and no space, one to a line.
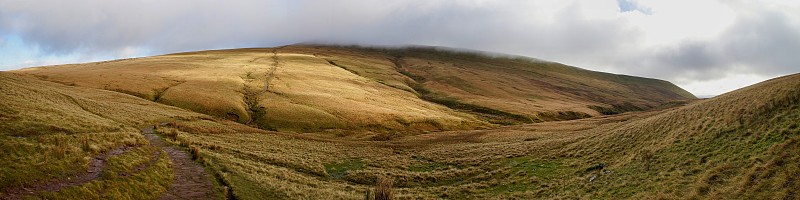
(742,144)
(308,88)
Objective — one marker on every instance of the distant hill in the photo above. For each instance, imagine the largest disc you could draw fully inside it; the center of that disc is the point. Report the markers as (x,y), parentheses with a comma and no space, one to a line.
(705,96)
(309,88)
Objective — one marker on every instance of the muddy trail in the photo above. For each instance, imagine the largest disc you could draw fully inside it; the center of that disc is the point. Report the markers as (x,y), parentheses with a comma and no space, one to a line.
(94,172)
(190,181)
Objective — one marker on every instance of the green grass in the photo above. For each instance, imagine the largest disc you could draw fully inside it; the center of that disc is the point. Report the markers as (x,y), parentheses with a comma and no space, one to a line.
(428,167)
(126,163)
(524,175)
(338,170)
(543,170)
(28,160)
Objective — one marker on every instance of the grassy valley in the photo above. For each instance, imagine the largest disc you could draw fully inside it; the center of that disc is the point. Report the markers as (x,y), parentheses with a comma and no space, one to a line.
(706,149)
(311,121)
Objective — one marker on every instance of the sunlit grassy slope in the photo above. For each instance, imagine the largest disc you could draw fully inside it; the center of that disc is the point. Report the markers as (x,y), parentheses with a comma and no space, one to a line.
(502,89)
(50,132)
(743,144)
(308,88)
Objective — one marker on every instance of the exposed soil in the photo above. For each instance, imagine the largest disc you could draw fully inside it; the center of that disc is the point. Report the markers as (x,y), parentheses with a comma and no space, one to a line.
(95,170)
(190,180)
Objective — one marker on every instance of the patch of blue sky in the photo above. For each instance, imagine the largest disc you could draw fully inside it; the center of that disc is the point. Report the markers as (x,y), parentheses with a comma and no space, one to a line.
(15,53)
(630,6)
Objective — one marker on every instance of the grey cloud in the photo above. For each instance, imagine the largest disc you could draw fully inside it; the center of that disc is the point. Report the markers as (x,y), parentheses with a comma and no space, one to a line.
(769,42)
(101,26)
(762,43)
(62,27)
(692,60)
(765,44)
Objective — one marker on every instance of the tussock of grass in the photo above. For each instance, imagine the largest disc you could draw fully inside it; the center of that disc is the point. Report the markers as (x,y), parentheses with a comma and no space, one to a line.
(126,163)
(383,189)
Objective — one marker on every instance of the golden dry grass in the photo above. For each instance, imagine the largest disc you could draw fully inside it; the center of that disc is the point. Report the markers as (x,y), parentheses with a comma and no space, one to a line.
(266,87)
(306,88)
(742,144)
(383,189)
(541,90)
(50,131)
(708,149)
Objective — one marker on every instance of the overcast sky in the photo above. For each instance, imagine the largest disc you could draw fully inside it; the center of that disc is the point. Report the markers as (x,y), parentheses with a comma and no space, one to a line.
(707,47)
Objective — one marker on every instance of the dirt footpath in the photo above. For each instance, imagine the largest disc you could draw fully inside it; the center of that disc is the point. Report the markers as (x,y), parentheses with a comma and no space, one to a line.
(190,180)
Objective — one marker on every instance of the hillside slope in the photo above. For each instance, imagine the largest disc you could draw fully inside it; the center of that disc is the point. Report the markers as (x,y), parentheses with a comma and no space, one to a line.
(53,134)
(501,88)
(311,88)
(741,144)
